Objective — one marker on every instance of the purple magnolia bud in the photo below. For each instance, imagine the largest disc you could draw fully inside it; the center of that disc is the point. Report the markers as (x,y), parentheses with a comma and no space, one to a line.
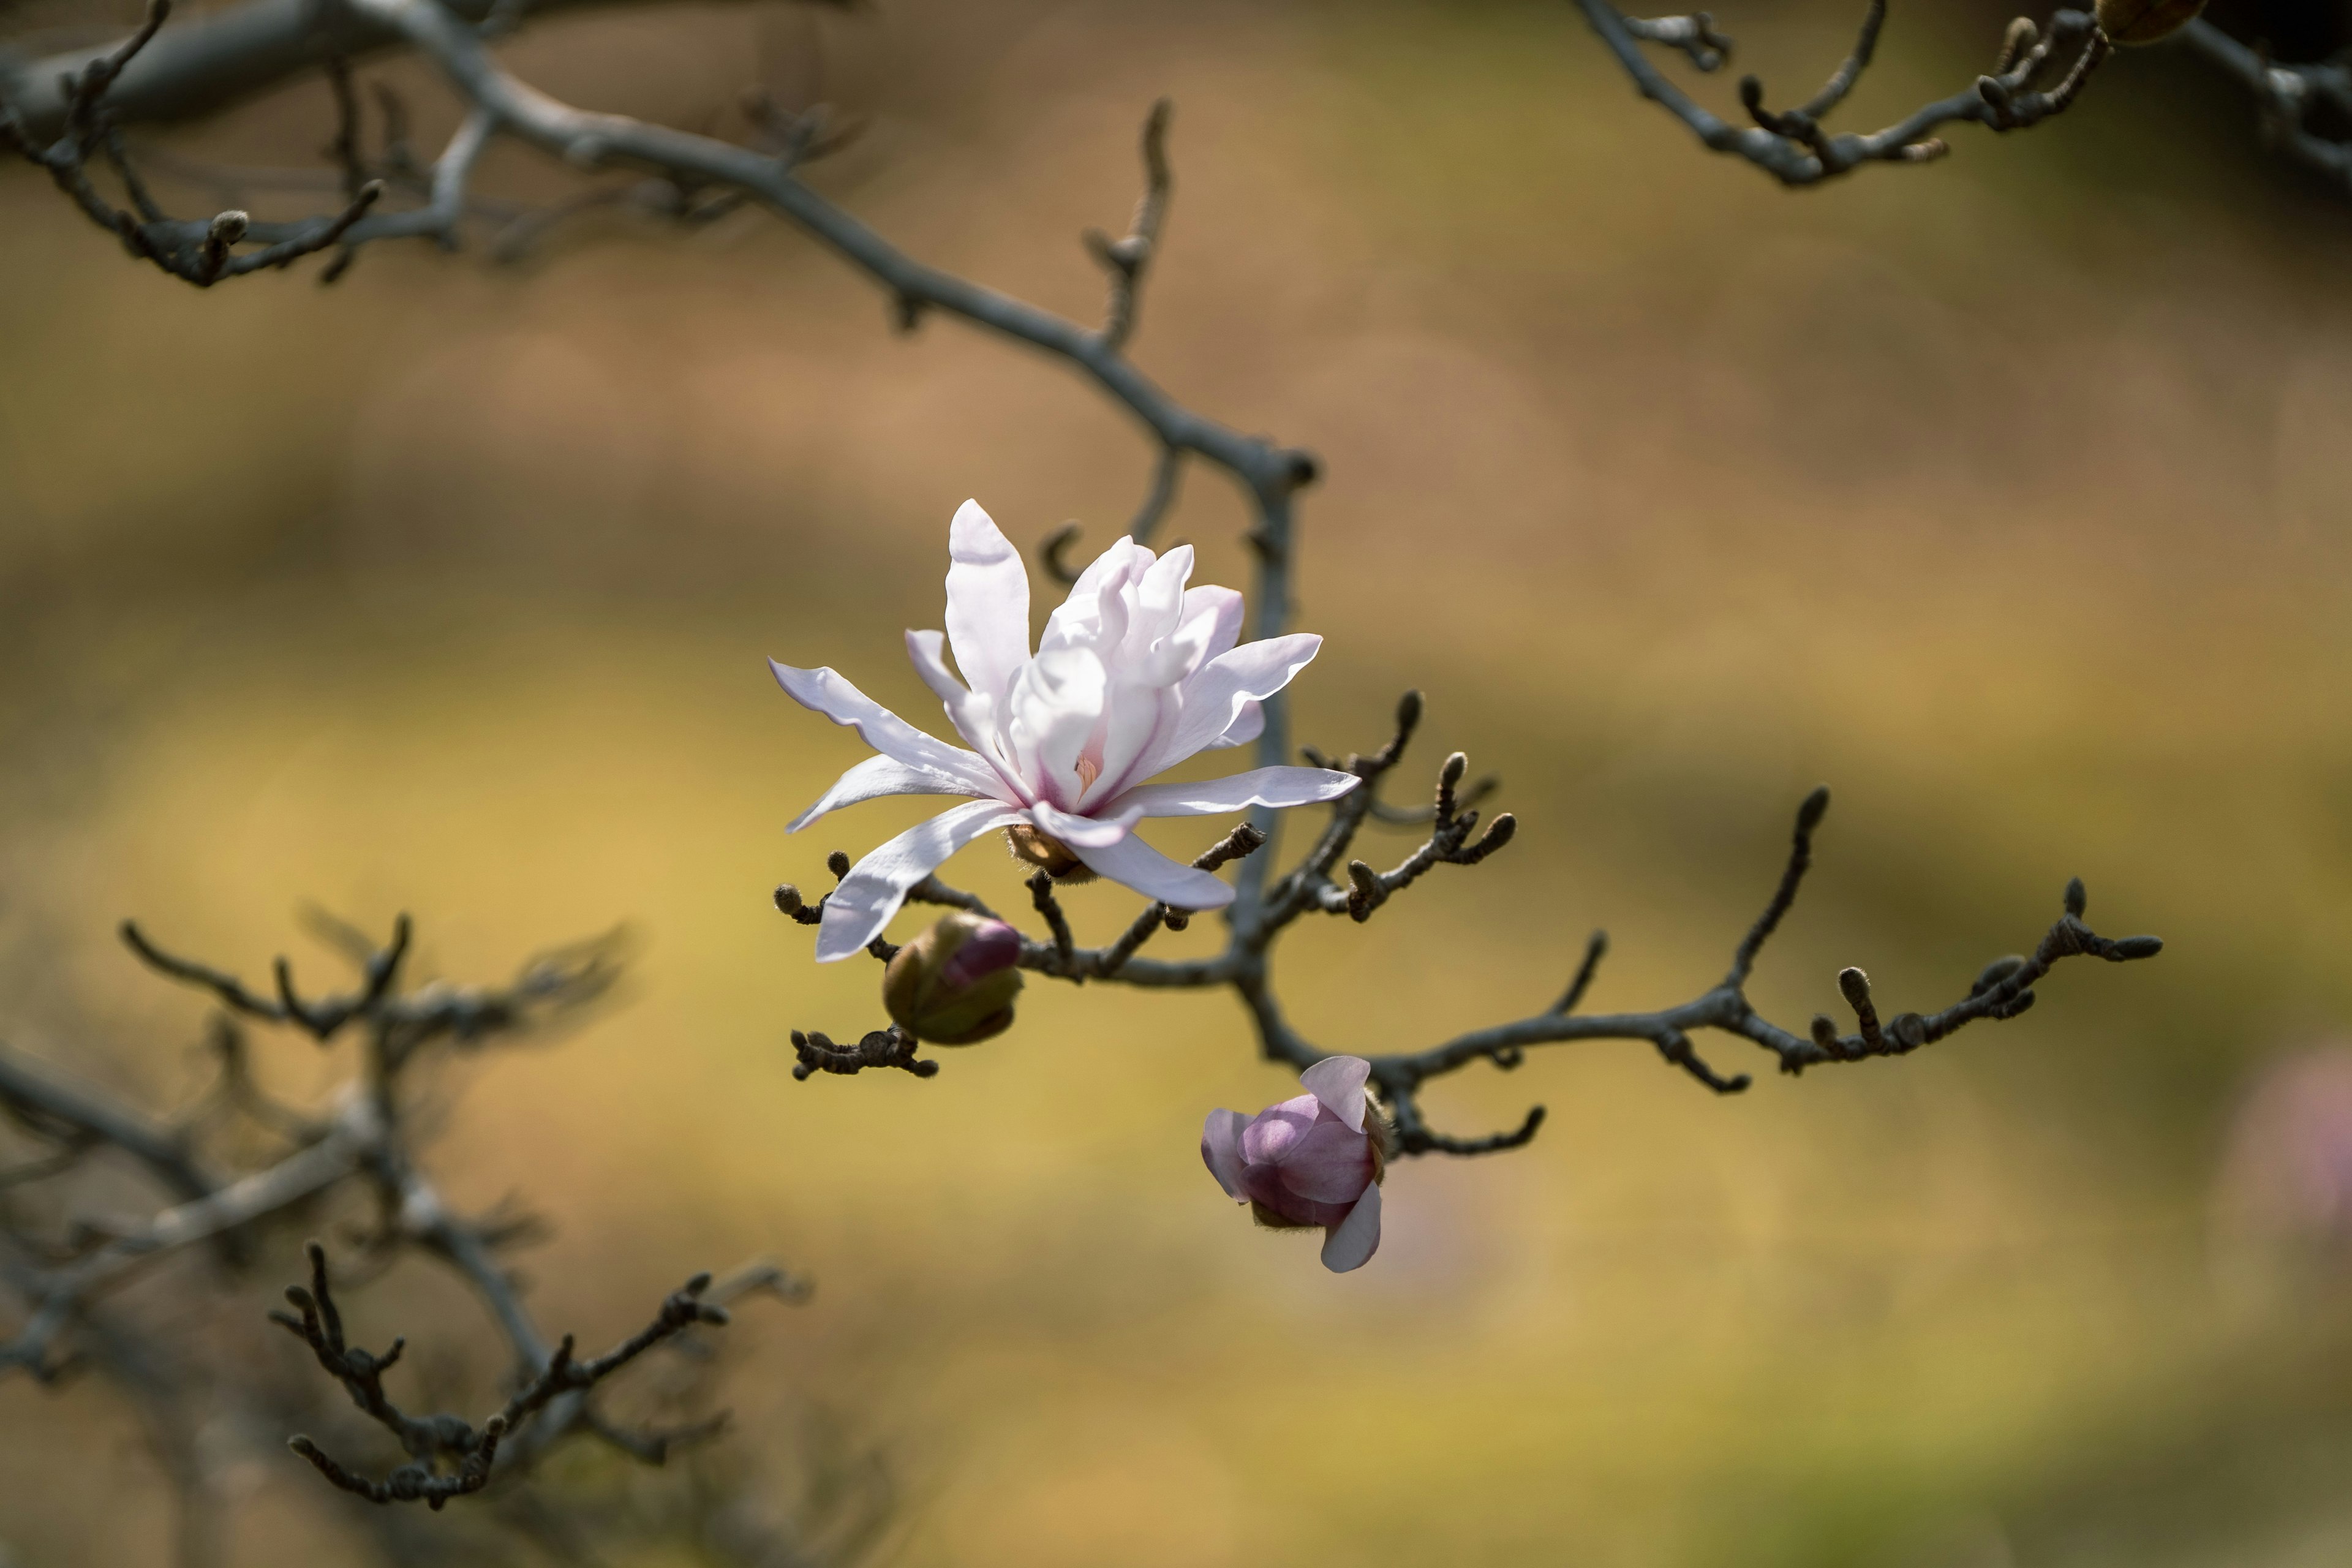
(1315,1161)
(954,984)
(993,946)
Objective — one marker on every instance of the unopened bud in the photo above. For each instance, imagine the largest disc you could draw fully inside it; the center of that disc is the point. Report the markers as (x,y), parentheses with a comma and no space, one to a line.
(2145,21)
(954,984)
(228,227)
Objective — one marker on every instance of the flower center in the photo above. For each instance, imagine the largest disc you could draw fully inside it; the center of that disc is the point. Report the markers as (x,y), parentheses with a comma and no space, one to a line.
(1090,769)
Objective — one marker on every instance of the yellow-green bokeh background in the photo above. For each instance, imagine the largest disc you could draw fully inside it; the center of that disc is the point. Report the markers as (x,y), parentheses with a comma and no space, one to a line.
(2010,496)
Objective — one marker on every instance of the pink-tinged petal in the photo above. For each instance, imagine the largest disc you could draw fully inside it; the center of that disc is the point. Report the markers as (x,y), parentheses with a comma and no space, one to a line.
(1212,623)
(1350,1244)
(1238,791)
(1244,729)
(1085,832)
(1052,710)
(1135,863)
(822,689)
(988,602)
(874,778)
(856,911)
(1221,1151)
(1273,1132)
(1328,1165)
(1263,1184)
(1136,716)
(1214,696)
(1338,1082)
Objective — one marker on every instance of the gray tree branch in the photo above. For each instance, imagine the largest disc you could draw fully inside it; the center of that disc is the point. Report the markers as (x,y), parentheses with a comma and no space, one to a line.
(1794,147)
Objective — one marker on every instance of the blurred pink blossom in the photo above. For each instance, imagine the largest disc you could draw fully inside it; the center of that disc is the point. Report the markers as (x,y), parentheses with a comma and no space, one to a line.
(1312,1161)
(2288,1168)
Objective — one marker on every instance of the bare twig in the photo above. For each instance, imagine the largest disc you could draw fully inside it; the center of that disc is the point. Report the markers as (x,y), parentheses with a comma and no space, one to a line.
(451,1458)
(1125,259)
(886,1047)
(1794,147)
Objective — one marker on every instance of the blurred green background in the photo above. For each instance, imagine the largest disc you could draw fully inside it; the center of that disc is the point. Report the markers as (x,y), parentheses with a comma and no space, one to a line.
(2012,496)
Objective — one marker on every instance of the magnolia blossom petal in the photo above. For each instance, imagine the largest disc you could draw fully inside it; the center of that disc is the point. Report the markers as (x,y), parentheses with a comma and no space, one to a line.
(1247,727)
(1137,865)
(1350,1244)
(959,771)
(1213,620)
(1137,715)
(928,651)
(1054,705)
(969,714)
(1213,698)
(1094,614)
(1338,1082)
(1276,1131)
(988,602)
(1238,791)
(1159,596)
(1085,832)
(871,780)
(1221,1151)
(856,911)
(1330,1164)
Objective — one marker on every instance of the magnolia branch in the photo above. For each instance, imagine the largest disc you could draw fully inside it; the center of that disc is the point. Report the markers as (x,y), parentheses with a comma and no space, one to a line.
(1796,148)
(450,1459)
(362,1144)
(2003,991)
(2037,74)
(2289,98)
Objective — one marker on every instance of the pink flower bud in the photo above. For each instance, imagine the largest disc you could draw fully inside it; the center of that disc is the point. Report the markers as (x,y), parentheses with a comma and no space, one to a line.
(954,984)
(993,946)
(1315,1160)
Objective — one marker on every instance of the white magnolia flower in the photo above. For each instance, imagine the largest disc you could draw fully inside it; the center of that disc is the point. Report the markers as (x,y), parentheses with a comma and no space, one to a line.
(1135,673)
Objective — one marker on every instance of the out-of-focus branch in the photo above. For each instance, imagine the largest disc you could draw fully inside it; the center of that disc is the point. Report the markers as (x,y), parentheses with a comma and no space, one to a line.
(211,61)
(451,1458)
(363,1144)
(51,1108)
(1124,260)
(2285,96)
(58,1295)
(203,251)
(1794,147)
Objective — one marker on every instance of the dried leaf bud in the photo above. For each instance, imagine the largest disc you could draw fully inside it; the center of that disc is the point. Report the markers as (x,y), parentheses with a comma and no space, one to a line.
(1048,854)
(2145,21)
(228,227)
(954,984)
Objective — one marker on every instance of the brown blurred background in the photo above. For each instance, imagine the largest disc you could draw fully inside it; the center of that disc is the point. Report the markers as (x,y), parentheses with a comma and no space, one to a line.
(2010,496)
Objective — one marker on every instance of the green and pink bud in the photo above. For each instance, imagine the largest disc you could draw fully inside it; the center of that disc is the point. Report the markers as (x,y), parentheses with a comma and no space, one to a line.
(954,984)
